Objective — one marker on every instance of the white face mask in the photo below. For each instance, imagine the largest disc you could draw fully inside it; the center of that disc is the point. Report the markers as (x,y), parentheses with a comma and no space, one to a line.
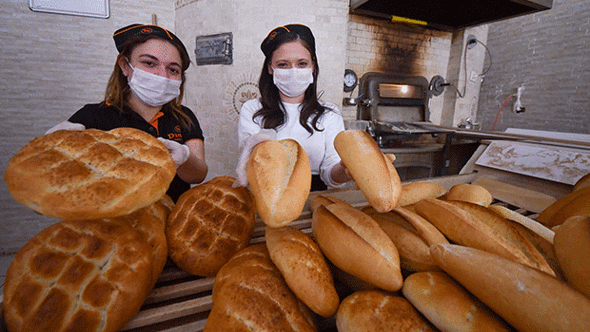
(152,89)
(292,82)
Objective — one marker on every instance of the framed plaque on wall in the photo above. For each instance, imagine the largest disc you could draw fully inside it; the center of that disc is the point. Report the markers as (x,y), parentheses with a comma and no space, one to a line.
(90,8)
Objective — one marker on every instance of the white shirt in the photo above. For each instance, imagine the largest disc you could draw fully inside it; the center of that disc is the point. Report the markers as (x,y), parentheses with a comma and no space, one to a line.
(319,146)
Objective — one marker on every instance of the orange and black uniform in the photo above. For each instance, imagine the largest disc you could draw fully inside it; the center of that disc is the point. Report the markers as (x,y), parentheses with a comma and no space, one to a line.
(105,117)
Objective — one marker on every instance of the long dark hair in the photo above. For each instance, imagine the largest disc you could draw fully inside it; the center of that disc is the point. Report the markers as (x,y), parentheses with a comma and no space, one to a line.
(117,90)
(272,111)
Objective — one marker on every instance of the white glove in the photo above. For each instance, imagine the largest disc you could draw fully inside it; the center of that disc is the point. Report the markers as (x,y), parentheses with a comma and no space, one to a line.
(249,144)
(179,152)
(66,125)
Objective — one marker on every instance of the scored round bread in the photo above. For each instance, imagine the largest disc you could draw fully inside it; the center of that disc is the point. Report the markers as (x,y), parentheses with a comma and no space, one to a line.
(526,298)
(378,311)
(78,276)
(279,176)
(448,306)
(209,224)
(572,248)
(356,244)
(250,294)
(471,193)
(151,224)
(304,268)
(90,174)
(372,171)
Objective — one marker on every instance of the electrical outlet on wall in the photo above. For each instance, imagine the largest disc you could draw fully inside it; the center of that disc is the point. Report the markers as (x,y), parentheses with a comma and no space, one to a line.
(473,76)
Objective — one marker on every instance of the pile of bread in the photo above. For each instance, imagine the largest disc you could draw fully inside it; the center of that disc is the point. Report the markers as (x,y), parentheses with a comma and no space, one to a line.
(416,257)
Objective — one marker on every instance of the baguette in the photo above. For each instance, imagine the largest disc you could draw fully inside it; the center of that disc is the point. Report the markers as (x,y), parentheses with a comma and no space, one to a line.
(527,222)
(572,247)
(415,191)
(372,171)
(472,193)
(448,306)
(414,252)
(323,200)
(576,203)
(279,176)
(463,228)
(355,243)
(526,253)
(304,268)
(526,298)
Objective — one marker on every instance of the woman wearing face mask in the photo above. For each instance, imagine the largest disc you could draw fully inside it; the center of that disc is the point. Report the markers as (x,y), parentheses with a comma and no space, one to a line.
(289,104)
(145,92)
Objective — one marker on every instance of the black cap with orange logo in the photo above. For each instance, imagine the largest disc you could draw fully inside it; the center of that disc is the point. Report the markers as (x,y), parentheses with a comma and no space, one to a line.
(269,44)
(123,35)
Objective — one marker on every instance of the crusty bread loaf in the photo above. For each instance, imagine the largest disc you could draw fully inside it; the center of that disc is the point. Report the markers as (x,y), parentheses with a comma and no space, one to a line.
(448,306)
(279,176)
(304,268)
(582,182)
(525,221)
(413,251)
(90,174)
(209,224)
(472,193)
(414,191)
(151,224)
(462,227)
(378,311)
(355,243)
(323,200)
(78,276)
(503,227)
(572,248)
(250,294)
(526,298)
(372,171)
(572,204)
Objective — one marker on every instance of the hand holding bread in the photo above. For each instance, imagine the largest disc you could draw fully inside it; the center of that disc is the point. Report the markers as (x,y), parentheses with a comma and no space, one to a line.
(372,171)
(279,176)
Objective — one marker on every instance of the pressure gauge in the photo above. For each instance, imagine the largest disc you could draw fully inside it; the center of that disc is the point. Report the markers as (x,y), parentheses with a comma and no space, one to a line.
(350,80)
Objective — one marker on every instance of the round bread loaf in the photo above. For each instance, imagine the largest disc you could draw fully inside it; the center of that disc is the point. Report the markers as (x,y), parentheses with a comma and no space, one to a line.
(250,294)
(448,306)
(279,176)
(378,311)
(471,193)
(209,224)
(372,171)
(90,174)
(572,248)
(78,276)
(304,268)
(151,224)
(355,243)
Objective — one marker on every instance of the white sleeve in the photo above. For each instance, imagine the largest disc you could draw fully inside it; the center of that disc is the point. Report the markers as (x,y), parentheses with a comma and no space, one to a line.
(333,124)
(246,125)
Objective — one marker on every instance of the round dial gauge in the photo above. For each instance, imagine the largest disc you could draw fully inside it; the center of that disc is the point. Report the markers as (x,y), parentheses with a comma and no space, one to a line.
(350,80)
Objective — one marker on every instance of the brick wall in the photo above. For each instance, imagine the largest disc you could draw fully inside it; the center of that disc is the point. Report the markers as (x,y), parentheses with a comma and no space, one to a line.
(377,45)
(548,54)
